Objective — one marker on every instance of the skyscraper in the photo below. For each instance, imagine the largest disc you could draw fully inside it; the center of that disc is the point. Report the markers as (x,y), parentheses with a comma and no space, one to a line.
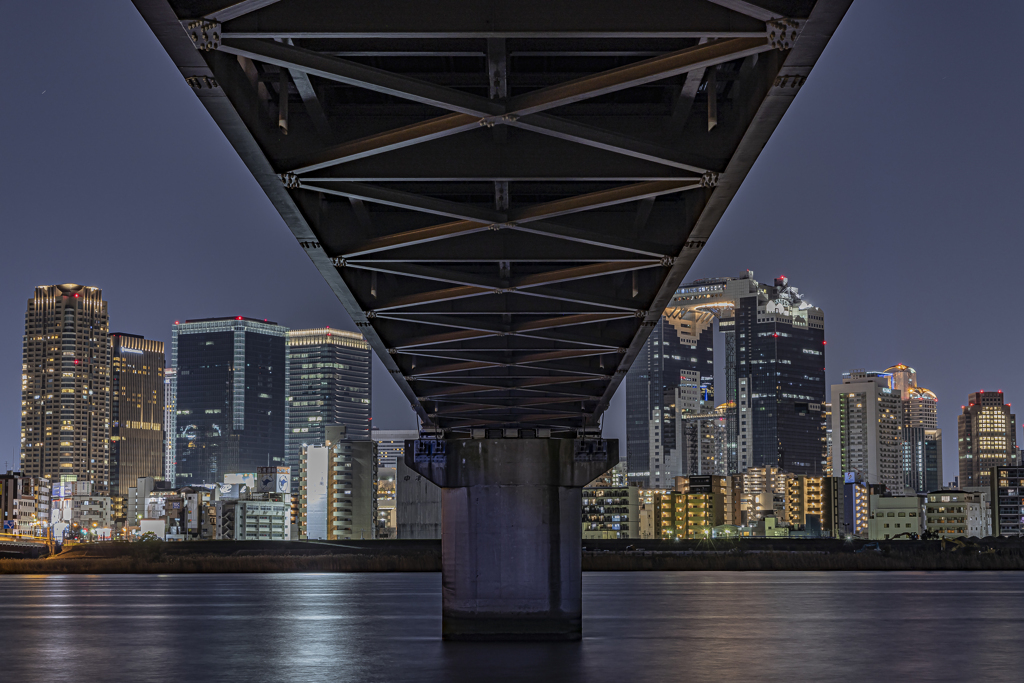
(65,386)
(170,420)
(867,430)
(329,383)
(136,414)
(779,349)
(231,376)
(774,369)
(922,447)
(987,435)
(680,344)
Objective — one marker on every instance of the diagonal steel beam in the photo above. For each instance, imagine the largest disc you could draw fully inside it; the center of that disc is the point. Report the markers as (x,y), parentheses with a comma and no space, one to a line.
(359,75)
(238,9)
(748,8)
(424,131)
(408,200)
(600,199)
(639,73)
(656,68)
(411,238)
(609,141)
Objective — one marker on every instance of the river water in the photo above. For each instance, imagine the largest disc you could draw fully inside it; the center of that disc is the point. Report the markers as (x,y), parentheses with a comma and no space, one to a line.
(638,626)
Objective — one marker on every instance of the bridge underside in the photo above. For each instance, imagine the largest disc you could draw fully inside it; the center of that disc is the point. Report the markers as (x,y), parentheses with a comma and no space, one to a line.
(504,194)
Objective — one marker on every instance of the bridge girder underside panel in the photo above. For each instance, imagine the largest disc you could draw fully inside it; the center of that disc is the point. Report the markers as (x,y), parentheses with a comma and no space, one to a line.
(504,195)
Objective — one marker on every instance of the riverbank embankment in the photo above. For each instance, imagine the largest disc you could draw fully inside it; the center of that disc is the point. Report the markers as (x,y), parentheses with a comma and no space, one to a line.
(154,557)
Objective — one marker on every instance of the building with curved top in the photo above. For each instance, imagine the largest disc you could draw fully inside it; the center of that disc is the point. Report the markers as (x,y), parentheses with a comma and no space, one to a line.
(922,438)
(65,387)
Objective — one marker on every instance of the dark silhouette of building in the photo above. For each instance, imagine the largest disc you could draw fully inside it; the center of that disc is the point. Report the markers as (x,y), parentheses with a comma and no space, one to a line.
(231,388)
(136,414)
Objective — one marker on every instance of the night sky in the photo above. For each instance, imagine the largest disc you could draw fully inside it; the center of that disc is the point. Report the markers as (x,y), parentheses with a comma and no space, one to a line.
(890,195)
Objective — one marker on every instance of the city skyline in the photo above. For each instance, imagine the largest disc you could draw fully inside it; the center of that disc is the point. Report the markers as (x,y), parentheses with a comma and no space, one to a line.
(832,253)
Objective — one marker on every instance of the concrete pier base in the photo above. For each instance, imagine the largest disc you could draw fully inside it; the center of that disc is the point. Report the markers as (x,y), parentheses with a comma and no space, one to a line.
(511,532)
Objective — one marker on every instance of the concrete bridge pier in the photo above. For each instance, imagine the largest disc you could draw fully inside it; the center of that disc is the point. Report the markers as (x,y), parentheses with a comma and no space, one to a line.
(511,532)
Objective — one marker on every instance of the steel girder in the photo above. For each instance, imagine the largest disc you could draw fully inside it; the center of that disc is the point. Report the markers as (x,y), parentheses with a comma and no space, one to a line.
(504,194)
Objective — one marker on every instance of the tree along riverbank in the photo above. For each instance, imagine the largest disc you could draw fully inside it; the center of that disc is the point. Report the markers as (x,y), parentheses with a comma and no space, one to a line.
(155,557)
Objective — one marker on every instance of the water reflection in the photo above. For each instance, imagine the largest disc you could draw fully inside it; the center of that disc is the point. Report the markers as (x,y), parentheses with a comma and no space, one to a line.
(385,627)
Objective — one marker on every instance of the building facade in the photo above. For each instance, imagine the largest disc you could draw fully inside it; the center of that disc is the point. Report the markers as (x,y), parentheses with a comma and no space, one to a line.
(170,422)
(867,430)
(954,514)
(611,506)
(774,370)
(679,354)
(65,386)
(25,504)
(338,488)
(1008,501)
(329,382)
(987,436)
(136,415)
(390,449)
(231,382)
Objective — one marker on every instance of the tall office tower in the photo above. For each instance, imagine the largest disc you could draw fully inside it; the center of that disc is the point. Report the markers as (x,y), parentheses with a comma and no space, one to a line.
(170,420)
(987,433)
(329,382)
(65,387)
(232,379)
(867,430)
(778,356)
(774,369)
(136,414)
(679,351)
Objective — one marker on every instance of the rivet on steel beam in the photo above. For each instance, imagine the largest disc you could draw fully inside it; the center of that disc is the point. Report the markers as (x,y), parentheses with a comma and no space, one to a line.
(782,33)
(205,35)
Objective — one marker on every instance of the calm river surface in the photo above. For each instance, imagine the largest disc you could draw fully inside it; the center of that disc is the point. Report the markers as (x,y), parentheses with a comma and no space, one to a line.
(638,626)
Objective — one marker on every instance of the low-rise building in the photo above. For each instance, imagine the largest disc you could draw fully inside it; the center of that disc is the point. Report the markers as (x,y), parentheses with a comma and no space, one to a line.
(24,504)
(894,517)
(955,513)
(254,517)
(78,508)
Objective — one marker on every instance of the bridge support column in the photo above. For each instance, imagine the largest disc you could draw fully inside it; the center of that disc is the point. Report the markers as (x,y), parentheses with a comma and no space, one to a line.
(511,532)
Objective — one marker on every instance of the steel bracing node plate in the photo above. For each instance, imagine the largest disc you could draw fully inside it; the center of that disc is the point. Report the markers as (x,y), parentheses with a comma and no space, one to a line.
(503,194)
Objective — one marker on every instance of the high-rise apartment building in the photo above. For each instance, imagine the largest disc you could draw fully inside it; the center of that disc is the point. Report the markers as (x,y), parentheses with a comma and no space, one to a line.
(337,488)
(136,414)
(867,430)
(922,438)
(987,436)
(65,386)
(231,376)
(329,382)
(170,420)
(679,353)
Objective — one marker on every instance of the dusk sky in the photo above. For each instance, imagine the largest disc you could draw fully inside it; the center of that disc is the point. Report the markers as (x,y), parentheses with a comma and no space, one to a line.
(889,194)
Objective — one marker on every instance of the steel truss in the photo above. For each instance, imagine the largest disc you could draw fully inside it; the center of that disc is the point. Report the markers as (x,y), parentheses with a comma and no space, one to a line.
(504,194)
